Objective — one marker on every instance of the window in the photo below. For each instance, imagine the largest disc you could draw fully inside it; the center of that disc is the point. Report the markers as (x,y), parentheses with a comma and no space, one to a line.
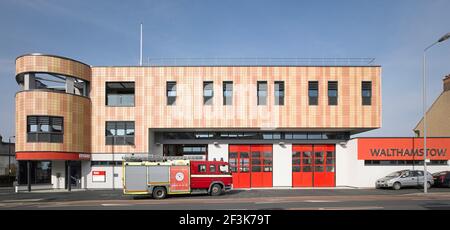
(332,93)
(208,92)
(45,129)
(201,168)
(120,93)
(227,93)
(279,93)
(262,92)
(366,92)
(120,132)
(212,168)
(106,163)
(224,169)
(171,92)
(40,172)
(313,92)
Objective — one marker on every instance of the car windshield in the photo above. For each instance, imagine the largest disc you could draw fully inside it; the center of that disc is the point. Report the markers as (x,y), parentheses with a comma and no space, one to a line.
(395,174)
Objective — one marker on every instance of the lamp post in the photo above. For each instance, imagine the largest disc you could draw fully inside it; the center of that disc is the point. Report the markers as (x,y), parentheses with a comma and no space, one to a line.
(425,181)
(9,155)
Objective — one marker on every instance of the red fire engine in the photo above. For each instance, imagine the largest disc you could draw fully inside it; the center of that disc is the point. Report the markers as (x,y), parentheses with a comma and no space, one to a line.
(159,178)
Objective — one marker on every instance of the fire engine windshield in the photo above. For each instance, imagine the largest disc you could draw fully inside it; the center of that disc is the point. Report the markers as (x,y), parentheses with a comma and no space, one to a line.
(224,169)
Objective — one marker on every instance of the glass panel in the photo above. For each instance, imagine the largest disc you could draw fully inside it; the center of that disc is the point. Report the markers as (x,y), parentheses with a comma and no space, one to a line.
(307,154)
(330,154)
(267,168)
(318,169)
(300,136)
(212,168)
(33,128)
(295,168)
(319,161)
(202,168)
(232,155)
(268,155)
(296,161)
(330,161)
(256,168)
(120,128)
(256,161)
(296,154)
(307,169)
(307,161)
(256,155)
(319,154)
(330,168)
(45,128)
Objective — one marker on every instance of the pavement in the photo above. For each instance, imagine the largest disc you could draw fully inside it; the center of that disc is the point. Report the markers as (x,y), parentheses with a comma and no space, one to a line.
(255,199)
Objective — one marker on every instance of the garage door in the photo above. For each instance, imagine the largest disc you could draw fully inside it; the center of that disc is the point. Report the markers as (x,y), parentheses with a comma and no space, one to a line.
(251,165)
(313,165)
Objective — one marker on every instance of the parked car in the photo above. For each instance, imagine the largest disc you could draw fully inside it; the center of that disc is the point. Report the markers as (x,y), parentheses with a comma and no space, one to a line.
(442,179)
(404,178)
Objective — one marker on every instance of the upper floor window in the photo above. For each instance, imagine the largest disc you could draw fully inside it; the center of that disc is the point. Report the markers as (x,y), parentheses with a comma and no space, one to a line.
(366,92)
(332,93)
(119,133)
(279,93)
(45,129)
(313,92)
(227,93)
(54,82)
(120,93)
(262,92)
(208,92)
(171,92)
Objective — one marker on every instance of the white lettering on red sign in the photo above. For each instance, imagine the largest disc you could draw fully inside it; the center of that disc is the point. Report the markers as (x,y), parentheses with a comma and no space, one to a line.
(98,176)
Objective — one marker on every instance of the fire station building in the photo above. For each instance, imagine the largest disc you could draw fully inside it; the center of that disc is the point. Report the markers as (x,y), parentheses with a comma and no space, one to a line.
(276,125)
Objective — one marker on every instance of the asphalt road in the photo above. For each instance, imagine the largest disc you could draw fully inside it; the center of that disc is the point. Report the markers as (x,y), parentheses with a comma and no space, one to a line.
(262,199)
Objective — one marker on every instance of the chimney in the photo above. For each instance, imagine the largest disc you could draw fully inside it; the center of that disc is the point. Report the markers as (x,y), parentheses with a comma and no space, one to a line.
(446,82)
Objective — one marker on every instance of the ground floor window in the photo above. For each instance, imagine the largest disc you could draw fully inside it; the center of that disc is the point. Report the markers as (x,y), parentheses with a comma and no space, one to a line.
(185,150)
(41,172)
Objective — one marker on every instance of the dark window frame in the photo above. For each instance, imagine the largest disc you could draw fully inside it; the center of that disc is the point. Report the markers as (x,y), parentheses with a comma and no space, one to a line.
(259,90)
(225,90)
(171,100)
(115,139)
(281,90)
(40,136)
(313,86)
(366,86)
(208,100)
(333,86)
(120,104)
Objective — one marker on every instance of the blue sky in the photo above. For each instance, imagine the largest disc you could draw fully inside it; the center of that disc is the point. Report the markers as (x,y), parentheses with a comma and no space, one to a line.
(107,33)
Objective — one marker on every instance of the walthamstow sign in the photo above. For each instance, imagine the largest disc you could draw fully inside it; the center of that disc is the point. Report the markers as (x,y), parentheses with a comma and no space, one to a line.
(404,148)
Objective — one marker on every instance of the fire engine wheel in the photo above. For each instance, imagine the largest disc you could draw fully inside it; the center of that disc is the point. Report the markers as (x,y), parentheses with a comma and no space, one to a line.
(159,193)
(216,190)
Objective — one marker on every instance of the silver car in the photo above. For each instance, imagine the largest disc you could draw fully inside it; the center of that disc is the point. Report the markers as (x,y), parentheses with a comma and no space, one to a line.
(404,178)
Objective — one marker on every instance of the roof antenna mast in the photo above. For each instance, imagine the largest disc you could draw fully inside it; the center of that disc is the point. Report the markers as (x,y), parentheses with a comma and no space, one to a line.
(140,55)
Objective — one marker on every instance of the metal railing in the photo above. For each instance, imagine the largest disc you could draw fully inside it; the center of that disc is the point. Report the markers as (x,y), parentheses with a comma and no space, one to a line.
(260,62)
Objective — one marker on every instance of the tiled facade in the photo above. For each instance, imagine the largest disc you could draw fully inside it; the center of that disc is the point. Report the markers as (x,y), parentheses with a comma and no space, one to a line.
(85,117)
(151,111)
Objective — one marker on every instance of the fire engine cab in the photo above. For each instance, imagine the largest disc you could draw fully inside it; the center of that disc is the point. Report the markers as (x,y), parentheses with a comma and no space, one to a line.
(163,177)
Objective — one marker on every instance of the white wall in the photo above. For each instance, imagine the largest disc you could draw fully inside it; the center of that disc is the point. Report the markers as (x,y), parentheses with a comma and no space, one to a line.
(352,172)
(282,165)
(108,184)
(217,152)
(58,167)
